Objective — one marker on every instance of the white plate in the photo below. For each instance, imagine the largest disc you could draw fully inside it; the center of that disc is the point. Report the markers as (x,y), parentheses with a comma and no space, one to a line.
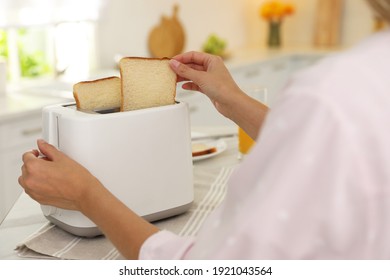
(220,145)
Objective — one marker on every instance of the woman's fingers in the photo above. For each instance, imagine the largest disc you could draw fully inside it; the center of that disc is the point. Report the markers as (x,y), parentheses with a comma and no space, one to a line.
(197,58)
(190,86)
(48,150)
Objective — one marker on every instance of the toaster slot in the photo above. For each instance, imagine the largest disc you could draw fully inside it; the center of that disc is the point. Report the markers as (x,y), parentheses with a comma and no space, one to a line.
(95,111)
(107,110)
(69,105)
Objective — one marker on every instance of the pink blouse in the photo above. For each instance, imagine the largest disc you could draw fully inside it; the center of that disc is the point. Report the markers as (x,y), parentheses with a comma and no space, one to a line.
(317,184)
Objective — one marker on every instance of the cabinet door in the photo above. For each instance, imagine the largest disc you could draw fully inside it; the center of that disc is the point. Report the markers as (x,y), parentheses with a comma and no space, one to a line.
(3,206)
(17,137)
(21,131)
(10,189)
(202,111)
(270,74)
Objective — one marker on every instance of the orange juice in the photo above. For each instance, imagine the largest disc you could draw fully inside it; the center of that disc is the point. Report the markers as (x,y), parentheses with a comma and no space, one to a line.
(245,142)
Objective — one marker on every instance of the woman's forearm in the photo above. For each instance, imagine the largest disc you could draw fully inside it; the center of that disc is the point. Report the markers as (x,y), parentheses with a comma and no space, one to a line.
(125,229)
(248,114)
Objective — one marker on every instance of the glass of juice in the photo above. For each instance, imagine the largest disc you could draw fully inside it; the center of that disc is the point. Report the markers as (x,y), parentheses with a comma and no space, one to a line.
(245,142)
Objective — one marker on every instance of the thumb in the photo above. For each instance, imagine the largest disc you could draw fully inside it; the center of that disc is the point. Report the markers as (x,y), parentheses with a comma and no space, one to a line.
(48,150)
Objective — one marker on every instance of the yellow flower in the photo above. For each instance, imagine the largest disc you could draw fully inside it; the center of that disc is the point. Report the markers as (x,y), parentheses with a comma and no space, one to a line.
(275,10)
(289,9)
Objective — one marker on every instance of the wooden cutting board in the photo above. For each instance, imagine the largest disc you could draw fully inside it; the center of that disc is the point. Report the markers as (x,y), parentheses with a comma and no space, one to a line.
(328,23)
(167,39)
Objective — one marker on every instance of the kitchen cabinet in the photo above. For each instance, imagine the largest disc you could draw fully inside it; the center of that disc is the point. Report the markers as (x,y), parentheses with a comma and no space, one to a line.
(272,74)
(20,127)
(202,111)
(16,137)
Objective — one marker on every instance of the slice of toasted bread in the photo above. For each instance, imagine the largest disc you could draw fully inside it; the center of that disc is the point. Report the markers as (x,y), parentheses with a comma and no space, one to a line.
(146,82)
(98,94)
(200,149)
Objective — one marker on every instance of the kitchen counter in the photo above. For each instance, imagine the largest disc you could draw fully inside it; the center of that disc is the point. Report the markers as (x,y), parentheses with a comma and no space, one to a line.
(24,219)
(250,54)
(19,105)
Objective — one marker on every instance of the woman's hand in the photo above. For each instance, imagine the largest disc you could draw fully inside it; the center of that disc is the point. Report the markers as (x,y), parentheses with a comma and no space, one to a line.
(55,179)
(208,74)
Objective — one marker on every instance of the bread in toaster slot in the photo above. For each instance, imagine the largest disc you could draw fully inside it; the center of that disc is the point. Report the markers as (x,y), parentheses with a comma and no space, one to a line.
(98,94)
(143,83)
(146,83)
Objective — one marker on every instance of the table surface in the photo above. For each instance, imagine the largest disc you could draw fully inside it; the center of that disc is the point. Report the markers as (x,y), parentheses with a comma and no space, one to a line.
(26,217)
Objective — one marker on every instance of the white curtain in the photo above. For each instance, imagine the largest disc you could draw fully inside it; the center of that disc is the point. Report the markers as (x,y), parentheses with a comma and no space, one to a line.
(14,13)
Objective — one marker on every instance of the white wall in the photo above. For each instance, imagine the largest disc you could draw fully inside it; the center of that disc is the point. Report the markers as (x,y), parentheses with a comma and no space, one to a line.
(358,21)
(125,24)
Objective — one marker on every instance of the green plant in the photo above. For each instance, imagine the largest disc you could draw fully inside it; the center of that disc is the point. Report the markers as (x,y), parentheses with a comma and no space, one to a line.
(33,65)
(214,45)
(32,62)
(3,44)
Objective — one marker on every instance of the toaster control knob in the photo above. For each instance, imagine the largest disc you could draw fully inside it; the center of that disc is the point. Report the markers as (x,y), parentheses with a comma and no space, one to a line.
(48,210)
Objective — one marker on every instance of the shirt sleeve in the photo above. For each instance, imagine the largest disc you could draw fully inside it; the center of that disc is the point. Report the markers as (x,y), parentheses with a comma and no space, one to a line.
(165,245)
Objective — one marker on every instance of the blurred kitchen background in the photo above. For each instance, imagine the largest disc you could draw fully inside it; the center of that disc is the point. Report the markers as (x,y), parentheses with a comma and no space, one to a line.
(47,45)
(74,39)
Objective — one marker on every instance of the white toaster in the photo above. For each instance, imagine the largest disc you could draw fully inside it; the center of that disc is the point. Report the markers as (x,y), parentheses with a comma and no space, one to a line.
(143,157)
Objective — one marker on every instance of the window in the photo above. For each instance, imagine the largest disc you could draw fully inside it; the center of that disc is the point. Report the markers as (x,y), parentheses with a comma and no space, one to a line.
(65,49)
(42,38)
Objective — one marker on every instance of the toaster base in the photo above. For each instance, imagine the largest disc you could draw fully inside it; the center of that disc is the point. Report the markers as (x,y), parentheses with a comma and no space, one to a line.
(95,231)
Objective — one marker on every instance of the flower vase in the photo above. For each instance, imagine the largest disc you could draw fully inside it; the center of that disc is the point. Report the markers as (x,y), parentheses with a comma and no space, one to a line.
(274,36)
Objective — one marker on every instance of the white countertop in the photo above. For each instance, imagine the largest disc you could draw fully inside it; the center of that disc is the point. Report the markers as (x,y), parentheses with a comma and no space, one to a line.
(18,105)
(250,54)
(24,219)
